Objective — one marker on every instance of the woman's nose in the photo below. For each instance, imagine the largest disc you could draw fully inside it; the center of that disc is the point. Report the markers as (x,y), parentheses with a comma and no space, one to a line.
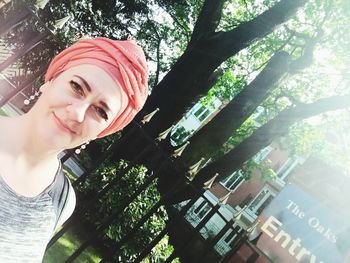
(77,111)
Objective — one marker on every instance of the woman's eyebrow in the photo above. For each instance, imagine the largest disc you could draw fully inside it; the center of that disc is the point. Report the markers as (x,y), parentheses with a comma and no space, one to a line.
(88,87)
(105,106)
(86,84)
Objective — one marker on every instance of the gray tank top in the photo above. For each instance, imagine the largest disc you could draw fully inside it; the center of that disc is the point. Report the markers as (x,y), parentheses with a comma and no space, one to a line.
(26,223)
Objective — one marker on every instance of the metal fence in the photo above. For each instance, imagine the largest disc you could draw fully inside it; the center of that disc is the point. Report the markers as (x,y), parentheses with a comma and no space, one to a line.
(191,225)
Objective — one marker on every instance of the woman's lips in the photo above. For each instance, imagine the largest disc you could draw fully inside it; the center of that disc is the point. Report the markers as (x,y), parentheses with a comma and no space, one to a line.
(61,125)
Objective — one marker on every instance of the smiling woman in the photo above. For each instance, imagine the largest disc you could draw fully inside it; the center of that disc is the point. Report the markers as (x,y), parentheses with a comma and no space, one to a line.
(92,89)
(82,101)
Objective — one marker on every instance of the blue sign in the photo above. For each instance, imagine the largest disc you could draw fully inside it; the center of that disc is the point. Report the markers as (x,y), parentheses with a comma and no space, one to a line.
(306,228)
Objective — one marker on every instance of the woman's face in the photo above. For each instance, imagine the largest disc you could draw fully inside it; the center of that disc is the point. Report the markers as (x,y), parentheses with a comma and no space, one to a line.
(76,106)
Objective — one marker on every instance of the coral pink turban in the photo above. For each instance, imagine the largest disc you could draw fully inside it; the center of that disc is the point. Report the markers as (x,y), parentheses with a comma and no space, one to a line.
(124,61)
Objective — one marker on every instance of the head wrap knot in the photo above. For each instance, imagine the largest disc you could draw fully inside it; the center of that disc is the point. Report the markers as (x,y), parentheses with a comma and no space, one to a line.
(124,61)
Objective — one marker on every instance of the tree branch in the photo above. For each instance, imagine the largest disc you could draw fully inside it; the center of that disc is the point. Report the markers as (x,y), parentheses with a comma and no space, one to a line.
(290,97)
(208,20)
(264,135)
(215,76)
(306,58)
(210,138)
(226,44)
(184,29)
(297,34)
(247,8)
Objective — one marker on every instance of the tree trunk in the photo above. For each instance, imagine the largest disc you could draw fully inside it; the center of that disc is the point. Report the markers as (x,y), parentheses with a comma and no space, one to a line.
(213,135)
(186,80)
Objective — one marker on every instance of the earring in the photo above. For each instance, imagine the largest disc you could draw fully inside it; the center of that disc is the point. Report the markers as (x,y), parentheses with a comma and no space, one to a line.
(32,97)
(82,147)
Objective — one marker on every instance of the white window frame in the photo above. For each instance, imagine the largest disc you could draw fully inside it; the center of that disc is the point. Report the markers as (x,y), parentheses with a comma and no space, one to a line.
(239,178)
(222,247)
(211,202)
(292,162)
(229,233)
(262,154)
(266,196)
(206,109)
(205,206)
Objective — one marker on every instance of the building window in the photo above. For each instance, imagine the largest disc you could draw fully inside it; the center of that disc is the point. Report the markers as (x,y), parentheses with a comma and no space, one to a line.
(202,209)
(228,240)
(202,113)
(230,237)
(287,167)
(199,111)
(261,200)
(180,135)
(262,154)
(233,181)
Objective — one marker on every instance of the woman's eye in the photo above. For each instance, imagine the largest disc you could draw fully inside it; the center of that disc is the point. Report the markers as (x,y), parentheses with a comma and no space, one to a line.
(101,113)
(76,87)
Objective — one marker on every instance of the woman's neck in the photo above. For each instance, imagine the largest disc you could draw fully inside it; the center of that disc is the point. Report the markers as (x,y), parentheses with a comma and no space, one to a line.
(26,149)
